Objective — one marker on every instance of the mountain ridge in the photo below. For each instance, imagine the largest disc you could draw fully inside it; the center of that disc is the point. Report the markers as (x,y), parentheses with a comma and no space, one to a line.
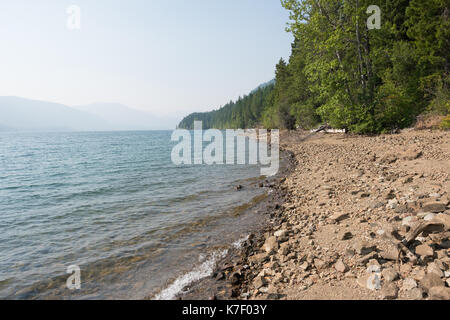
(125,118)
(22,114)
(243,113)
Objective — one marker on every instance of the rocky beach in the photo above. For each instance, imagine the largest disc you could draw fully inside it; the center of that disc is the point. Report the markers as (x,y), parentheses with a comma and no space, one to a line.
(350,218)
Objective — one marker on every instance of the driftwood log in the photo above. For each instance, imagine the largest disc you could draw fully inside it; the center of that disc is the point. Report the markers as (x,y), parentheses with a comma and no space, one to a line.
(322,128)
(427,227)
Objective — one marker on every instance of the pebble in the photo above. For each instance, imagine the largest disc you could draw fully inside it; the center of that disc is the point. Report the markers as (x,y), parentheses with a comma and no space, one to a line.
(409,221)
(389,275)
(424,250)
(409,284)
(429,217)
(373,269)
(431,280)
(439,293)
(434,207)
(389,291)
(433,268)
(415,294)
(339,216)
(392,204)
(374,282)
(280,233)
(340,266)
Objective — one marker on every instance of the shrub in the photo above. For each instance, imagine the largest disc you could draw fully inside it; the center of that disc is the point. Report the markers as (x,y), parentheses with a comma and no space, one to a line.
(445,124)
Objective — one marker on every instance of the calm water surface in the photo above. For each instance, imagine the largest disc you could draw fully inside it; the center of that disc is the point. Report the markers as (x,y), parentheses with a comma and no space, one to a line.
(115,205)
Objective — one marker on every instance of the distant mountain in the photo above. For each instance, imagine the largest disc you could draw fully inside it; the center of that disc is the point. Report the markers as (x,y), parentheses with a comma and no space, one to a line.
(124,118)
(4,128)
(32,115)
(264,85)
(25,114)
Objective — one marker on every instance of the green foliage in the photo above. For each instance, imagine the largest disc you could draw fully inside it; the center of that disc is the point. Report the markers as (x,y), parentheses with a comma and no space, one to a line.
(339,72)
(440,96)
(398,98)
(306,115)
(246,112)
(445,125)
(364,80)
(429,28)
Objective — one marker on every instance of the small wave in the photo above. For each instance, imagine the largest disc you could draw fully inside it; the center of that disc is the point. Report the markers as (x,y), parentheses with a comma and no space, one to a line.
(238,244)
(204,270)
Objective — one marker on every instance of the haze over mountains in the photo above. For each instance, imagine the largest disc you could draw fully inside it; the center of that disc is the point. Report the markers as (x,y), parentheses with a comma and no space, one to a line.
(264,85)
(19,114)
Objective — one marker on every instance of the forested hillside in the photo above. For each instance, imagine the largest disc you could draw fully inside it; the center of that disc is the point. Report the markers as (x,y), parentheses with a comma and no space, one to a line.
(246,112)
(342,73)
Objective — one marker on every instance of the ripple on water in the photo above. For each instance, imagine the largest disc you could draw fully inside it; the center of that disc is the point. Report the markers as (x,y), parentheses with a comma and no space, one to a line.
(114,204)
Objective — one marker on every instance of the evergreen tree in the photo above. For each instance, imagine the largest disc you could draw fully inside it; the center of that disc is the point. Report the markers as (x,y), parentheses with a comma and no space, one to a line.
(341,72)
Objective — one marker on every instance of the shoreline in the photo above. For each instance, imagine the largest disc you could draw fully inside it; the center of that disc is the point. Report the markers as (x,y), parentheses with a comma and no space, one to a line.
(337,221)
(221,284)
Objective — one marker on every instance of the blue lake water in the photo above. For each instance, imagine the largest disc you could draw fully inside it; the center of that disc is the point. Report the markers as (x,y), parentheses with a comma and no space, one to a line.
(115,205)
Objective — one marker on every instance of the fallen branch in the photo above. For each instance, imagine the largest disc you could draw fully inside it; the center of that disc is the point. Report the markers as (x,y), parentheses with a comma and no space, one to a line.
(429,227)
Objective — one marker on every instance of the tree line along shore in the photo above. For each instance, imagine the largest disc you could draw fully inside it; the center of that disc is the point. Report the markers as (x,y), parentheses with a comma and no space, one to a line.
(342,73)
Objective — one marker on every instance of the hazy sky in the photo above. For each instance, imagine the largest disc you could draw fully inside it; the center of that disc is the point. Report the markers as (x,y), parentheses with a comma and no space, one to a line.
(163,56)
